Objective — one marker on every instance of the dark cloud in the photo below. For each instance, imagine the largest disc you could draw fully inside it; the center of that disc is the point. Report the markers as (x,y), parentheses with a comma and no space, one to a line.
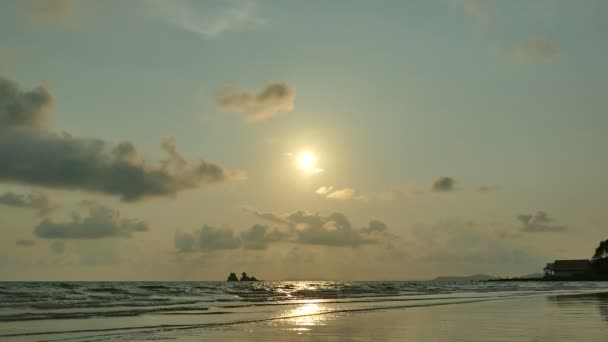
(32,154)
(539,222)
(273,99)
(34,200)
(443,184)
(211,238)
(376,226)
(24,109)
(51,8)
(25,243)
(260,236)
(102,222)
(534,49)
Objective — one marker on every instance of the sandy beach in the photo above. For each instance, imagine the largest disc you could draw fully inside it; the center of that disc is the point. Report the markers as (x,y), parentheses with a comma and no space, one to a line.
(537,318)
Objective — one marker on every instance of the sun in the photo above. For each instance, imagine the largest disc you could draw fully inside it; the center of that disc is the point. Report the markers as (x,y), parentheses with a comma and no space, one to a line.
(307,161)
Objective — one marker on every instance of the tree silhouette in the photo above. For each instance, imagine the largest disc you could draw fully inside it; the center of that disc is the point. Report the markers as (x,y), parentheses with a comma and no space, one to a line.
(600,259)
(601,251)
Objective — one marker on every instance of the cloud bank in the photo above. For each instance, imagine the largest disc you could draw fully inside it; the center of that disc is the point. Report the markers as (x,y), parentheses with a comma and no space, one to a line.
(299,227)
(334,229)
(207,238)
(273,99)
(33,154)
(34,200)
(260,236)
(102,222)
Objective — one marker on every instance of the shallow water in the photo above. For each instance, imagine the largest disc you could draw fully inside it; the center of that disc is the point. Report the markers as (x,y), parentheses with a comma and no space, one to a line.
(151,310)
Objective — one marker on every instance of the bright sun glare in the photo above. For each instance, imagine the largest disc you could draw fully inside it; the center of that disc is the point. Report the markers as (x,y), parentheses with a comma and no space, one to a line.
(307,161)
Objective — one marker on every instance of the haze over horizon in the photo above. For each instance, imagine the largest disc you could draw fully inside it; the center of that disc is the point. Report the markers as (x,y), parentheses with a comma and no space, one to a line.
(184,140)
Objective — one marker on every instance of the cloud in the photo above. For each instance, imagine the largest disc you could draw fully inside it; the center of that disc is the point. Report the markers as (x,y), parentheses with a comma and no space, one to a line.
(476,11)
(260,236)
(51,8)
(273,99)
(539,222)
(265,216)
(487,188)
(211,238)
(299,227)
(376,226)
(443,184)
(102,222)
(324,190)
(535,49)
(347,194)
(25,243)
(341,194)
(213,19)
(32,154)
(24,109)
(331,230)
(34,200)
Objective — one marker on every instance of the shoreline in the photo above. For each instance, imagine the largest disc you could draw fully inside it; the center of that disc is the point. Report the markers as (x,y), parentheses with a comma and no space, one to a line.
(586,280)
(552,317)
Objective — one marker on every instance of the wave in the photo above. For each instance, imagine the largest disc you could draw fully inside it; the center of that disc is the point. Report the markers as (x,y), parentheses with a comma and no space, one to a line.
(25,301)
(178,327)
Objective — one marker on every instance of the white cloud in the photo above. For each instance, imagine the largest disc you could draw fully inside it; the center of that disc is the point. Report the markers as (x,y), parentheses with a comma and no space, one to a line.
(213,19)
(341,194)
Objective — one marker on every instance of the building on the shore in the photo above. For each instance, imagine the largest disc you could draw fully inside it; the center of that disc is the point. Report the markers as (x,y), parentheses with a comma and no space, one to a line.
(567,268)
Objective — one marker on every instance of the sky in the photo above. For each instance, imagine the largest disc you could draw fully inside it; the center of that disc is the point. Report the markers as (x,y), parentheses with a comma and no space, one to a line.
(354,140)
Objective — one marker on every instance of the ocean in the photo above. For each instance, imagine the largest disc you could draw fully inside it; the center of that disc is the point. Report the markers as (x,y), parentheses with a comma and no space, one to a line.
(143,311)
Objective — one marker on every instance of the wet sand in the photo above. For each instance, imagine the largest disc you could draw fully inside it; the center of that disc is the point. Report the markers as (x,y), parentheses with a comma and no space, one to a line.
(536,318)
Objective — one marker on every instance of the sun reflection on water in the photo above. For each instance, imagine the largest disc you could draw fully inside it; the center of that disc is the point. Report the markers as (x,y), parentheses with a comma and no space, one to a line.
(306,315)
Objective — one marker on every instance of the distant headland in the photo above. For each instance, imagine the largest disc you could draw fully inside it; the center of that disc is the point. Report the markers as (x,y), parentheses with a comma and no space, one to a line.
(244,277)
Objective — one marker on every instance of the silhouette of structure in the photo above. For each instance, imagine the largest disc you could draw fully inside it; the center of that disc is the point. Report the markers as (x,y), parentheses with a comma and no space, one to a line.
(567,268)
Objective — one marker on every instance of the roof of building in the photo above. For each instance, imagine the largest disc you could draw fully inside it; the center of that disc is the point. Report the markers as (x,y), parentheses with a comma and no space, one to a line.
(571,265)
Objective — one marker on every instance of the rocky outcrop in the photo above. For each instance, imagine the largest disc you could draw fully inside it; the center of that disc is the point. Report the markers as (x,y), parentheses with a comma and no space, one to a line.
(244,277)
